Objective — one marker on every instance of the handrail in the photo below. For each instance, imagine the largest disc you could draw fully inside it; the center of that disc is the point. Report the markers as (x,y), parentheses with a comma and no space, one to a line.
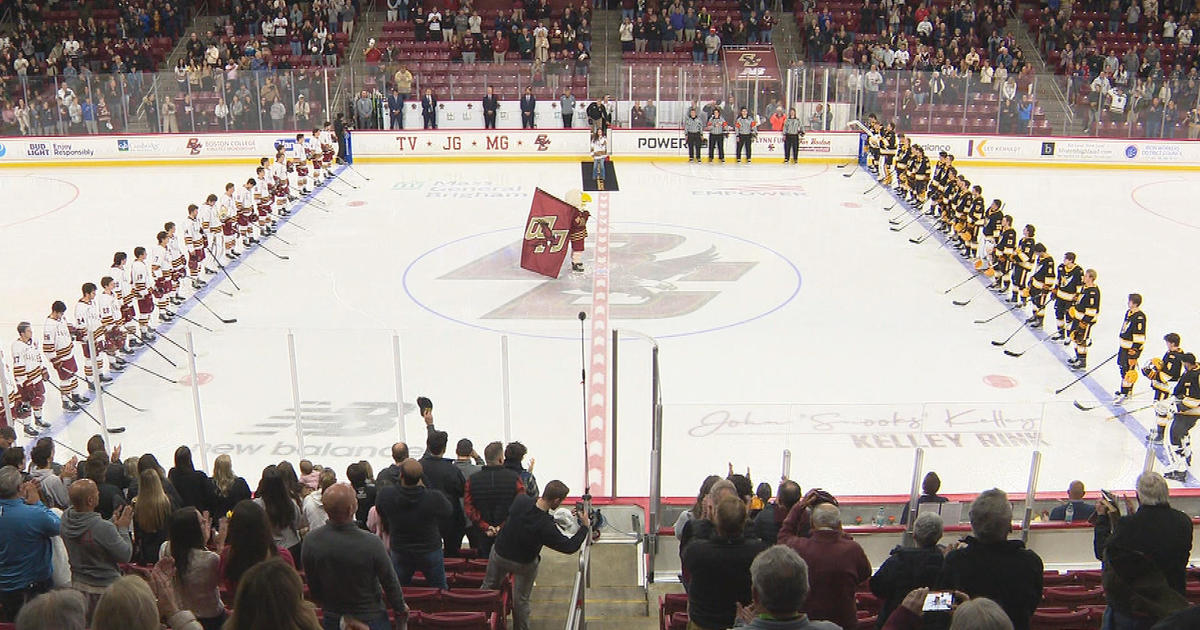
(577,616)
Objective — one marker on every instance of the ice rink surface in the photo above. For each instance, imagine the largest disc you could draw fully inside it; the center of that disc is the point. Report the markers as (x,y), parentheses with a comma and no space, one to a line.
(787,313)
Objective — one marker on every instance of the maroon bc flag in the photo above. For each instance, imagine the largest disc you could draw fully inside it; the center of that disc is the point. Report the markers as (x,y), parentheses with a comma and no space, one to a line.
(545,244)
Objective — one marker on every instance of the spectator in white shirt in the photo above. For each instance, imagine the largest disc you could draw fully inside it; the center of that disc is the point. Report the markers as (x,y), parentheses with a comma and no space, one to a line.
(313,509)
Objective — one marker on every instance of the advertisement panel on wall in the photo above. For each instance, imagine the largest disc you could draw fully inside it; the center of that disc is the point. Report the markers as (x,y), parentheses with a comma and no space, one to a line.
(134,148)
(664,142)
(1049,151)
(469,143)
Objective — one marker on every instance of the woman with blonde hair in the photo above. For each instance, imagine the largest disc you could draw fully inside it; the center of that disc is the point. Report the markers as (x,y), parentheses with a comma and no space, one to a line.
(230,488)
(129,604)
(151,510)
(270,596)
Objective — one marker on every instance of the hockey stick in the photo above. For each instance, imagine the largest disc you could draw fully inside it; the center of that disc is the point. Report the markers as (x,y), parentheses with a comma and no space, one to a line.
(281,240)
(921,239)
(1001,313)
(117,398)
(86,412)
(194,322)
(155,350)
(900,228)
(356,172)
(1130,412)
(295,225)
(968,300)
(960,284)
(1010,337)
(1031,346)
(224,320)
(1082,407)
(172,342)
(334,177)
(272,252)
(217,260)
(149,371)
(1085,374)
(896,220)
(873,187)
(852,171)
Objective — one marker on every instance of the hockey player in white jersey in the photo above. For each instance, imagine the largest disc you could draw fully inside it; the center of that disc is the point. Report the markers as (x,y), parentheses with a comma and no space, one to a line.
(193,246)
(58,344)
(109,308)
(210,228)
(312,148)
(178,262)
(87,322)
(160,272)
(142,282)
(227,215)
(298,158)
(123,290)
(28,373)
(279,169)
(262,202)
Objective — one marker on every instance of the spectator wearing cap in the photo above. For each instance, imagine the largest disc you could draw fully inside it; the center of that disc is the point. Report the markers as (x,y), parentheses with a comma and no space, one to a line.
(990,565)
(26,529)
(441,474)
(348,570)
(519,545)
(1080,510)
(836,564)
(488,495)
(770,519)
(779,586)
(929,494)
(411,512)
(1145,556)
(719,568)
(908,568)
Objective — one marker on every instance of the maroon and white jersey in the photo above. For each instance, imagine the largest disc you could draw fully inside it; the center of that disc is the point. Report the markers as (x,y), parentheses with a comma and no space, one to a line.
(207,216)
(122,287)
(87,317)
(28,368)
(226,207)
(108,307)
(140,278)
(160,261)
(193,237)
(174,253)
(57,340)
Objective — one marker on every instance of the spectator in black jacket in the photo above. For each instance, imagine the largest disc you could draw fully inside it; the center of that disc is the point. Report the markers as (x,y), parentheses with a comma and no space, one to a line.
(528,106)
(514,453)
(194,488)
(990,565)
(110,496)
(929,494)
(228,488)
(391,475)
(150,462)
(719,568)
(518,546)
(769,520)
(411,513)
(116,470)
(487,497)
(1145,557)
(364,492)
(441,474)
(910,567)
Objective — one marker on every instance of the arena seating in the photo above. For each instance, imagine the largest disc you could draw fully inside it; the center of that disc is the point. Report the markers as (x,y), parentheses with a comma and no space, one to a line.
(1073,600)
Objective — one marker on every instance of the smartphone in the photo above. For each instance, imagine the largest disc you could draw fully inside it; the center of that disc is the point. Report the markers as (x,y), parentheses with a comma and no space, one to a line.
(938,601)
(1109,497)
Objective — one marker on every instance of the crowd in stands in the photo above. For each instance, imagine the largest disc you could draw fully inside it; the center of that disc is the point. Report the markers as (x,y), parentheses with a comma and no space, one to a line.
(789,564)
(1128,63)
(95,541)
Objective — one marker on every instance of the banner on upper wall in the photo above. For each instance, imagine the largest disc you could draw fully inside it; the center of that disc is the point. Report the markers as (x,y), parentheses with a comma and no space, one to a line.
(135,147)
(750,63)
(1049,151)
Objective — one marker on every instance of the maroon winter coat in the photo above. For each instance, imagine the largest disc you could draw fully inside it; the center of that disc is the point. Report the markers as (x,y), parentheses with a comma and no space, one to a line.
(836,566)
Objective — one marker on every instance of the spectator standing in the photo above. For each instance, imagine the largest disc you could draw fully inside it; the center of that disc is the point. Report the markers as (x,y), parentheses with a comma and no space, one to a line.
(95,547)
(566,103)
(468,461)
(194,487)
(315,513)
(364,491)
(194,570)
(1080,510)
(247,543)
(930,486)
(770,519)
(836,564)
(442,475)
(63,609)
(271,595)
(348,570)
(528,108)
(488,496)
(396,109)
(429,106)
(518,547)
(599,157)
(8,436)
(1145,556)
(391,475)
(26,529)
(651,113)
(364,109)
(411,512)
(990,565)
(283,511)
(514,454)
(780,588)
(151,509)
(719,568)
(908,568)
(746,128)
(228,488)
(131,604)
(96,468)
(51,486)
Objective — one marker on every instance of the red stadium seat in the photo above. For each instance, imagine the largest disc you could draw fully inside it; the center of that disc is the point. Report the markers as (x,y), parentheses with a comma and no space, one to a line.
(451,621)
